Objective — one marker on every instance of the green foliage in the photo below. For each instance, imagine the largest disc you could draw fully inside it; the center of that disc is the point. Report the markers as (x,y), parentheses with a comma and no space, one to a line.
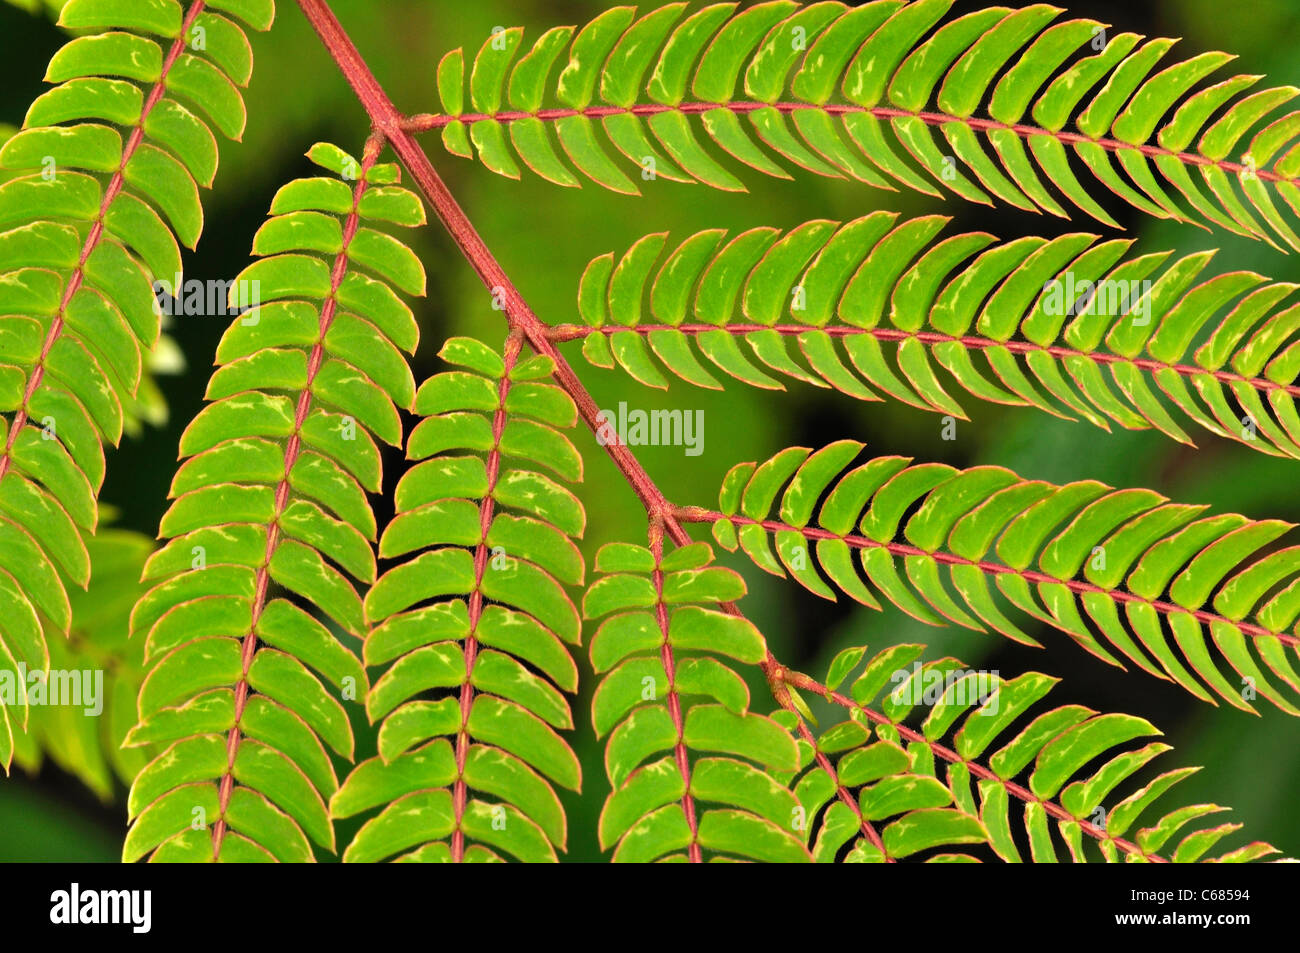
(667,654)
(470,625)
(476,613)
(842,92)
(278,607)
(1007,321)
(943,793)
(1166,568)
(95,748)
(273,493)
(101,155)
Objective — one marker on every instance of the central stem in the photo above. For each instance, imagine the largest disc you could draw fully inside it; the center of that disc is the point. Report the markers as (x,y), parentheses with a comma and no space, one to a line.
(389,123)
(394,127)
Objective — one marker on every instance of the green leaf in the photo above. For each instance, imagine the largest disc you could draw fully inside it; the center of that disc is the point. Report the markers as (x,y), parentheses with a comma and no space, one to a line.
(954,518)
(929,828)
(713,728)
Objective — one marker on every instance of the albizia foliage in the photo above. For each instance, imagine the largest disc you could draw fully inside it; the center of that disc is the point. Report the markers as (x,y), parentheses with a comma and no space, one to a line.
(285,608)
(270,531)
(1073,326)
(888,95)
(883,790)
(104,189)
(1150,569)
(475,612)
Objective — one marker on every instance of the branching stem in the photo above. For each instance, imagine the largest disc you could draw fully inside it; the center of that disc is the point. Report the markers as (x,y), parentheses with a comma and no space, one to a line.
(460,793)
(398,130)
(977,770)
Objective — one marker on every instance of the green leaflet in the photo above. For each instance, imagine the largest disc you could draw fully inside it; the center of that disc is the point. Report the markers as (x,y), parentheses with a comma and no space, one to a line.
(649,627)
(938,543)
(883,789)
(771,74)
(477,596)
(272,492)
(89,378)
(247,692)
(91,748)
(1108,337)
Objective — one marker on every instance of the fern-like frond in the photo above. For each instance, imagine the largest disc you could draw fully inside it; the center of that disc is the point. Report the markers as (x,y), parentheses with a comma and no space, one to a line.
(88,707)
(109,163)
(950,776)
(667,652)
(146,406)
(1071,325)
(884,94)
(273,493)
(476,619)
(1149,568)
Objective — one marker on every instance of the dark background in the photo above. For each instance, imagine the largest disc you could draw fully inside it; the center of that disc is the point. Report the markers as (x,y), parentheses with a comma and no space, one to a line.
(544,235)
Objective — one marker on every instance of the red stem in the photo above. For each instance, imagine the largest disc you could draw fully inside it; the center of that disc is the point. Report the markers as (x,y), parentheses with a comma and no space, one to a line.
(460,792)
(427,121)
(844,794)
(674,700)
(390,124)
(569,332)
(977,770)
(698,515)
(292,449)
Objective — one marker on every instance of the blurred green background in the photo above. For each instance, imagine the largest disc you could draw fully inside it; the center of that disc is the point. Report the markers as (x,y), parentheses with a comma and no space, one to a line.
(544,235)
